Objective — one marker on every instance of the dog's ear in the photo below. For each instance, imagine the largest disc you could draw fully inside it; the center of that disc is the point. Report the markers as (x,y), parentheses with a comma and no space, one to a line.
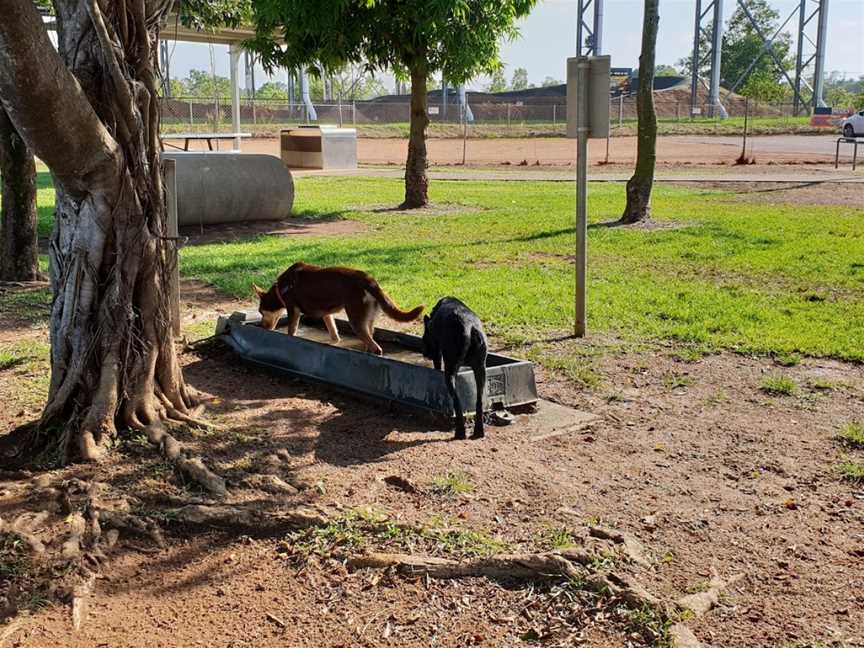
(258,291)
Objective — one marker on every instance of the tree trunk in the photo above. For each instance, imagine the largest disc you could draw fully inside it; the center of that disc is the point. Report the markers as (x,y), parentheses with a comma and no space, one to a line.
(90,113)
(639,186)
(19,253)
(416,182)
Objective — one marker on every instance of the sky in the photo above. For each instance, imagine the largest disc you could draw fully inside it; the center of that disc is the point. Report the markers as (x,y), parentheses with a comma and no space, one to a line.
(547,38)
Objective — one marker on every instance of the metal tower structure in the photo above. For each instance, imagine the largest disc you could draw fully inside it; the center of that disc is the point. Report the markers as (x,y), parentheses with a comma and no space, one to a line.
(714,9)
(812,15)
(812,32)
(589,40)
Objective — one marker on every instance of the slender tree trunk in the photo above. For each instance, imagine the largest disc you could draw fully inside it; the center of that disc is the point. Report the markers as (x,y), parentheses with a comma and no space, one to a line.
(90,113)
(19,253)
(639,186)
(416,182)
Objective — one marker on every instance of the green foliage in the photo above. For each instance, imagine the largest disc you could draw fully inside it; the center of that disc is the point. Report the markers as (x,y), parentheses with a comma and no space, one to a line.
(179,88)
(763,86)
(852,435)
(851,470)
(452,483)
(272,90)
(788,359)
(498,82)
(778,385)
(202,84)
(461,38)
(741,44)
(555,538)
(520,79)
(207,14)
(549,82)
(666,71)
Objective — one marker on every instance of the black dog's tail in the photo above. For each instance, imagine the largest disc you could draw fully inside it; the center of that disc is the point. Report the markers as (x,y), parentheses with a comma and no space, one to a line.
(392,310)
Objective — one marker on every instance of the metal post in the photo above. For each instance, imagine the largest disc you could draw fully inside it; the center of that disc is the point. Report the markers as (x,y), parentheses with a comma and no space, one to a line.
(819,71)
(598,27)
(234,58)
(694,63)
(353,113)
(508,115)
(554,115)
(620,110)
(799,56)
(191,119)
(443,98)
(716,47)
(289,81)
(464,134)
(582,67)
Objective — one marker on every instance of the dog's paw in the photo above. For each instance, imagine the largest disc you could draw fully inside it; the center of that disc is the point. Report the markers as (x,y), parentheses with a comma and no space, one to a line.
(478,434)
(460,435)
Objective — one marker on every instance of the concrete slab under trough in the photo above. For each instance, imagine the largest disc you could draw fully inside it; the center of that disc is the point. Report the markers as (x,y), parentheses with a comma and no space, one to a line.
(402,375)
(554,420)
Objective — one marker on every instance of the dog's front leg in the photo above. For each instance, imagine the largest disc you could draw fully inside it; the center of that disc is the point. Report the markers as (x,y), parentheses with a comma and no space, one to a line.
(294,324)
(330,323)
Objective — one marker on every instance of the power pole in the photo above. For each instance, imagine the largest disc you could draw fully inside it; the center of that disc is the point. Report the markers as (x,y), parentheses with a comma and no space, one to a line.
(589,40)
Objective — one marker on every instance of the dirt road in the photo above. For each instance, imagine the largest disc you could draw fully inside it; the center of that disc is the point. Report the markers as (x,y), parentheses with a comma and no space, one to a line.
(674,150)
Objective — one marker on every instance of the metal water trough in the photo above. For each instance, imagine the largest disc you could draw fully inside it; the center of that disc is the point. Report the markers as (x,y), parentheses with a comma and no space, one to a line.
(509,382)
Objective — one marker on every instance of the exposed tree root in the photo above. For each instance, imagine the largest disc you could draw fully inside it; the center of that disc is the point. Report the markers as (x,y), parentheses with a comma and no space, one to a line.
(540,566)
(191,467)
(634,549)
(701,602)
(236,516)
(23,527)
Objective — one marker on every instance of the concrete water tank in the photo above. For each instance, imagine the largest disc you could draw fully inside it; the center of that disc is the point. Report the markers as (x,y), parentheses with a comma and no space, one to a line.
(216,187)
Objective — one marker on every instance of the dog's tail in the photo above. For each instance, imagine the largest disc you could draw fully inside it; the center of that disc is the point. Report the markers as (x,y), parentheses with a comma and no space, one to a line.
(389,307)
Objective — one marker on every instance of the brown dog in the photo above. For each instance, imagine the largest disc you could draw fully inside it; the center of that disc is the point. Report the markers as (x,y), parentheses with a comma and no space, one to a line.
(320,292)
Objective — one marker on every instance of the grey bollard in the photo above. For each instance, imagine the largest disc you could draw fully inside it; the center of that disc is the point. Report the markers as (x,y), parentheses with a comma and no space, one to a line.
(232,187)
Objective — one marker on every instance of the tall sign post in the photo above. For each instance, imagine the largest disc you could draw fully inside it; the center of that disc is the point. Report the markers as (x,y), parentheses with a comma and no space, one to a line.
(588,79)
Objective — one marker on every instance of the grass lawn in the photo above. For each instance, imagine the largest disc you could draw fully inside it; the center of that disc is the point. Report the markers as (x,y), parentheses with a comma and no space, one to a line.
(752,278)
(768,279)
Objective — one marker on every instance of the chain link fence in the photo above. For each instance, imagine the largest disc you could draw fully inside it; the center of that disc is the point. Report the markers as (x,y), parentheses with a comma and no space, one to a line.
(266,117)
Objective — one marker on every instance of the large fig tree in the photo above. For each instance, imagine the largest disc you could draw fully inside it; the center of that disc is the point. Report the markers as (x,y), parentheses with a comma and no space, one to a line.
(461,38)
(89,110)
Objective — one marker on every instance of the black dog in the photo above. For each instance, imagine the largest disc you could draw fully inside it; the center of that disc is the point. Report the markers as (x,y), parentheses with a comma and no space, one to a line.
(453,332)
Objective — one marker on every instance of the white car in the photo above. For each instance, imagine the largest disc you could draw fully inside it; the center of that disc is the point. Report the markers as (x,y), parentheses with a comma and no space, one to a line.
(854,125)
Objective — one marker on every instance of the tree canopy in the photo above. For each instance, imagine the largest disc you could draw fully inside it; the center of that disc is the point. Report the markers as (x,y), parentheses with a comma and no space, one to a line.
(461,38)
(520,79)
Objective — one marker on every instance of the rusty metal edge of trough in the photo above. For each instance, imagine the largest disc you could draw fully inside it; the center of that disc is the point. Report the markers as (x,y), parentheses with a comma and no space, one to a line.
(509,382)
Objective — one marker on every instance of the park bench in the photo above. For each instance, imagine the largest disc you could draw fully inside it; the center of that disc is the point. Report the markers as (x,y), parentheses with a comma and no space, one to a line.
(209,137)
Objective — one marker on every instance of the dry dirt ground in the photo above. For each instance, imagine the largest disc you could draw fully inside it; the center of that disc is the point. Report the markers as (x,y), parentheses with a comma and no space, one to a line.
(689,455)
(557,151)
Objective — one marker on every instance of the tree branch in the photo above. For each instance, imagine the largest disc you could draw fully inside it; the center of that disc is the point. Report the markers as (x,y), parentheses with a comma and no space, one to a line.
(48,107)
